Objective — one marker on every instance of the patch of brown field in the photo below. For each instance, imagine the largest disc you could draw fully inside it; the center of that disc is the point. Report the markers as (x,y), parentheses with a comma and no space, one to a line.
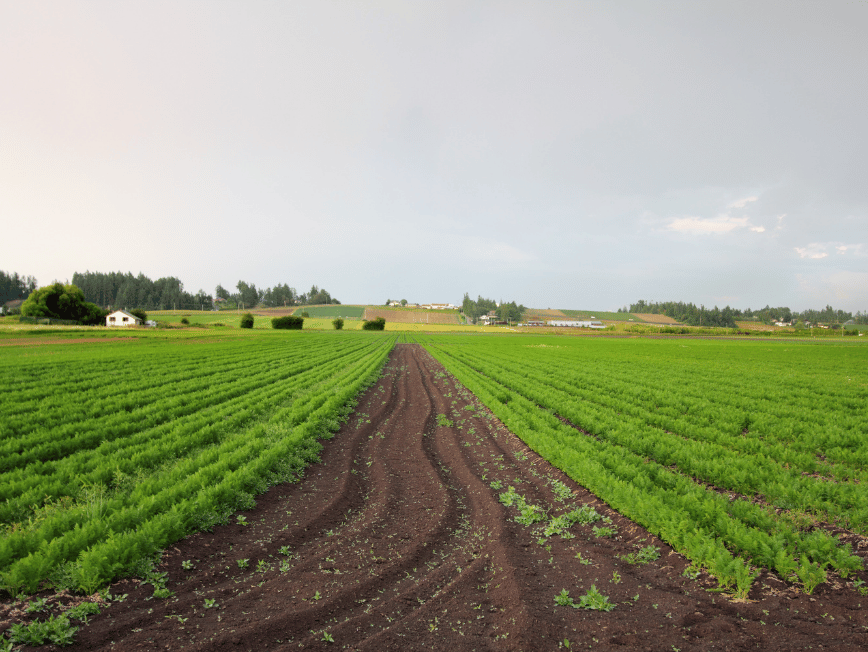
(533,313)
(756,326)
(412,316)
(654,319)
(398,541)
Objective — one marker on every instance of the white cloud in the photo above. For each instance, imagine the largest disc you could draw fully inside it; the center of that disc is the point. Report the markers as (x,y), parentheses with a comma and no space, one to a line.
(856,249)
(719,224)
(780,222)
(741,203)
(814,251)
(758,229)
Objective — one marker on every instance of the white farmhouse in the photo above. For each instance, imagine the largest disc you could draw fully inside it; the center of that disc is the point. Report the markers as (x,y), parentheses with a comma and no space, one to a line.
(122,318)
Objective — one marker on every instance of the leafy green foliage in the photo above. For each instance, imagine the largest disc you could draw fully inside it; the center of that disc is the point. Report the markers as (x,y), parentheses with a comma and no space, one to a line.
(246,320)
(338,323)
(377,324)
(58,301)
(56,630)
(289,322)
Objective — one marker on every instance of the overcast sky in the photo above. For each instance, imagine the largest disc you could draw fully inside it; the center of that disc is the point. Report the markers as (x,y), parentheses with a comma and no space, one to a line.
(564,155)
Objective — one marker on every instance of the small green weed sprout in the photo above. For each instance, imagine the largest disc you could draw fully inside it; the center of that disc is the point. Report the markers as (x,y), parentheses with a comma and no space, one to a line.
(82,611)
(187,565)
(604,531)
(211,603)
(284,550)
(593,599)
(163,592)
(38,605)
(693,571)
(443,421)
(496,485)
(262,566)
(642,556)
(241,520)
(563,599)
(243,563)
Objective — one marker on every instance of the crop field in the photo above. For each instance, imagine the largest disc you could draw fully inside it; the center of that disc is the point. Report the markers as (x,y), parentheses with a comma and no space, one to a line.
(734,453)
(477,489)
(109,451)
(332,311)
(410,316)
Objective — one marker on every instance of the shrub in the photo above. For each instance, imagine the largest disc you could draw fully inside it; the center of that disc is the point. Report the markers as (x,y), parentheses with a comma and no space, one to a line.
(305,314)
(246,320)
(378,324)
(186,322)
(288,322)
(141,314)
(338,323)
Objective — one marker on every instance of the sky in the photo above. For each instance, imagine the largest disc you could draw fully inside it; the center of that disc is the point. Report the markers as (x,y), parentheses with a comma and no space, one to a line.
(576,155)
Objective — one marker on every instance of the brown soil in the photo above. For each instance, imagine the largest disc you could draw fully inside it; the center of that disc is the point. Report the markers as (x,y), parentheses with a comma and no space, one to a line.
(399,542)
(406,316)
(651,318)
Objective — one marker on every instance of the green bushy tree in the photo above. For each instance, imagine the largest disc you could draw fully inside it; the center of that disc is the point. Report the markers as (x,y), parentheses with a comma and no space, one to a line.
(378,324)
(59,301)
(289,322)
(246,320)
(338,323)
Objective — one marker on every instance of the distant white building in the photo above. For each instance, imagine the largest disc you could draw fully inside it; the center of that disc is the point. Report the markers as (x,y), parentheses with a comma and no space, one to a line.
(572,323)
(122,318)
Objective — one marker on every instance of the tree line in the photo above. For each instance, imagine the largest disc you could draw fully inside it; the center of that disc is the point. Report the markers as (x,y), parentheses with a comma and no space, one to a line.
(248,296)
(691,315)
(119,290)
(473,310)
(13,286)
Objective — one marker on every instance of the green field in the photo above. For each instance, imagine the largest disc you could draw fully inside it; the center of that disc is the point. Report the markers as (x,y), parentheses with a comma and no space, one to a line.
(330,312)
(664,430)
(111,450)
(740,454)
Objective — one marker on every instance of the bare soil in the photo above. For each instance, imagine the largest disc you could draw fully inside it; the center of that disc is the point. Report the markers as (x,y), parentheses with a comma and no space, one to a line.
(408,316)
(398,542)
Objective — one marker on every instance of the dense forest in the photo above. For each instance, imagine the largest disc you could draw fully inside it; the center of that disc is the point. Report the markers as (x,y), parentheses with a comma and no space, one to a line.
(13,286)
(473,310)
(119,290)
(689,314)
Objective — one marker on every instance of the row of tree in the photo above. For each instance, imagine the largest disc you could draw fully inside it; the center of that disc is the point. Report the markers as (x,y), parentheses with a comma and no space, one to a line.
(248,295)
(13,286)
(473,310)
(690,314)
(119,290)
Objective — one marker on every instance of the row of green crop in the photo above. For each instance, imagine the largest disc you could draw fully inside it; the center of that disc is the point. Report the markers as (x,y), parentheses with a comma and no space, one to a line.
(126,410)
(743,412)
(129,496)
(620,465)
(709,454)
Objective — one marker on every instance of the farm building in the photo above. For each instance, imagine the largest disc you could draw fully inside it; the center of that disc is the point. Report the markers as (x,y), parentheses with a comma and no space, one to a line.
(122,318)
(571,323)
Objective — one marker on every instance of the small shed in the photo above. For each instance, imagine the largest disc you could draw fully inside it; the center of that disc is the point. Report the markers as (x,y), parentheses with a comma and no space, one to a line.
(122,318)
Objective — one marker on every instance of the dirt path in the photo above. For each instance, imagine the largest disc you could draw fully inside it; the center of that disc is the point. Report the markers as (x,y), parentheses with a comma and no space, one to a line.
(399,542)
